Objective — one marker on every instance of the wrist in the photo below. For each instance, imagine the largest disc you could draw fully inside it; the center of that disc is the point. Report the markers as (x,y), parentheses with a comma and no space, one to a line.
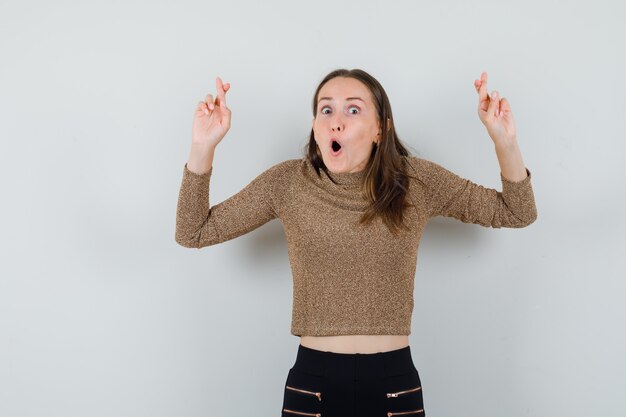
(202,147)
(200,158)
(506,145)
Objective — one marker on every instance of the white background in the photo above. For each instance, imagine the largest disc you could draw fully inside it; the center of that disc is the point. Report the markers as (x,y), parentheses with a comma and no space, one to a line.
(103,314)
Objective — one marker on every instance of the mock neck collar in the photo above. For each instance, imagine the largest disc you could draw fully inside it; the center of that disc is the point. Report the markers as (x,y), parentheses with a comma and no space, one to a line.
(349,179)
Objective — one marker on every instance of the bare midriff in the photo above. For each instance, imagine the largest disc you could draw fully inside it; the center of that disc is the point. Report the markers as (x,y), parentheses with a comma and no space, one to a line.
(355,343)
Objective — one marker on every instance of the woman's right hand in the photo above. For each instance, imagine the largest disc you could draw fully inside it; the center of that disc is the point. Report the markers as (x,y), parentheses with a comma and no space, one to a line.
(211,120)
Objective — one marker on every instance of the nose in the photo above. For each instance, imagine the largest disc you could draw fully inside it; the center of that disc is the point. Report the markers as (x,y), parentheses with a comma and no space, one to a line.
(336,124)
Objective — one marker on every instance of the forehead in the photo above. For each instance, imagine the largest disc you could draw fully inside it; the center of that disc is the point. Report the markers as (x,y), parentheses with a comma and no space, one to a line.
(340,88)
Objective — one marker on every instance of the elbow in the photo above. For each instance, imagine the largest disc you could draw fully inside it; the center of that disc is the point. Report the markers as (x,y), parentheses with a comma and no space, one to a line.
(515,221)
(196,240)
(531,219)
(193,236)
(186,240)
(531,216)
(186,243)
(527,220)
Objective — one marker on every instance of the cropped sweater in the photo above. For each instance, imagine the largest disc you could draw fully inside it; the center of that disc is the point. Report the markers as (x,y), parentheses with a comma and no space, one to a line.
(348,279)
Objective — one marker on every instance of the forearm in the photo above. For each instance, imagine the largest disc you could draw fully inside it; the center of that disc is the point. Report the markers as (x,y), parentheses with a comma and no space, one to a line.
(510,160)
(200,158)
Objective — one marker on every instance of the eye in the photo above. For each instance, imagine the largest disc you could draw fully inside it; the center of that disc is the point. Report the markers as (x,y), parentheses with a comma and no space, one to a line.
(351,107)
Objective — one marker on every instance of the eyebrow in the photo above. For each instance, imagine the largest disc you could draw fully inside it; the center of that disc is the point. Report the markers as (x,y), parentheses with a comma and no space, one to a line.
(349,98)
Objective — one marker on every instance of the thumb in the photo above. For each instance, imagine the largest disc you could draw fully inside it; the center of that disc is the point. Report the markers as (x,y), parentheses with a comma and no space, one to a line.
(505,106)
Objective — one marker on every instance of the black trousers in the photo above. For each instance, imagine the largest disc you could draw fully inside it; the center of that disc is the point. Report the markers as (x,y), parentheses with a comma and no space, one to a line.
(330,384)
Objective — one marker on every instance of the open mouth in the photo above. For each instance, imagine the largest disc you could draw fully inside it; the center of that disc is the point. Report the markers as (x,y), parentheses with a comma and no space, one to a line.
(335,148)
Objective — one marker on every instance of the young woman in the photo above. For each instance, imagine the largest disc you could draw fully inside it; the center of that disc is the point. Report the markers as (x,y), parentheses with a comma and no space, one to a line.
(353,209)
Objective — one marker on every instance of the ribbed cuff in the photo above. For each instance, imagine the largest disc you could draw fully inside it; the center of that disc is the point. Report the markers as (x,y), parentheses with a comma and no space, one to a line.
(515,183)
(193,174)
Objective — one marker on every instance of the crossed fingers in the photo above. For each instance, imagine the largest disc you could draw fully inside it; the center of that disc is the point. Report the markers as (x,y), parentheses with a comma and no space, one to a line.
(221,96)
(491,102)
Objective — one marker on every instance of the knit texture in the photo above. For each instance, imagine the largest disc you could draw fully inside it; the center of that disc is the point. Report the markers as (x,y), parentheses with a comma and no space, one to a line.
(348,279)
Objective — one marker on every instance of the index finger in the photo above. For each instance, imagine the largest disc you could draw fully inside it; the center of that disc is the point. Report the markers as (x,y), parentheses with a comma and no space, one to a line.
(221,93)
(482,91)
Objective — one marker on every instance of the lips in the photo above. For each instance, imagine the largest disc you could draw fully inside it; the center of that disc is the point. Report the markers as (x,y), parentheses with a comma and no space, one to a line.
(332,141)
(334,147)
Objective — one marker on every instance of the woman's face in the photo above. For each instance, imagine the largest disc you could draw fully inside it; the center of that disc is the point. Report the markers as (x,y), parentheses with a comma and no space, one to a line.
(345,113)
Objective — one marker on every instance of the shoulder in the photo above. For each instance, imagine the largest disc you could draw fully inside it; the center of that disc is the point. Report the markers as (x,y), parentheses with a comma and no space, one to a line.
(430,175)
(288,164)
(423,168)
(282,173)
(294,167)
(279,169)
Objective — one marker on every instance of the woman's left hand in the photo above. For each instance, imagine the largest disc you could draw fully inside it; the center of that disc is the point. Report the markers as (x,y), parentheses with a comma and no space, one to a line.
(495,113)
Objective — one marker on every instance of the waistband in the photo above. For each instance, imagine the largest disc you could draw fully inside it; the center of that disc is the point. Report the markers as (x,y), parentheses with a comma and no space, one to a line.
(357,365)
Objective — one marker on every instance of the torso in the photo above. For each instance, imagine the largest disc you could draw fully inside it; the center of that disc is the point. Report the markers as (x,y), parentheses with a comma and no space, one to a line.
(355,343)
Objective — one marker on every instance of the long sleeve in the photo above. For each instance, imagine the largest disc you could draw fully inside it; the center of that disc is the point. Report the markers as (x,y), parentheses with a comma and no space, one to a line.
(453,196)
(199,225)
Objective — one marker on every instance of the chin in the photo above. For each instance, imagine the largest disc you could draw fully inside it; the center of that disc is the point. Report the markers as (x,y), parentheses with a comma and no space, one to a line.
(335,166)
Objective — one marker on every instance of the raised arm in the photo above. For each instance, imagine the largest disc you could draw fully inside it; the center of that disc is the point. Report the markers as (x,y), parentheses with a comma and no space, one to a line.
(450,195)
(453,196)
(199,225)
